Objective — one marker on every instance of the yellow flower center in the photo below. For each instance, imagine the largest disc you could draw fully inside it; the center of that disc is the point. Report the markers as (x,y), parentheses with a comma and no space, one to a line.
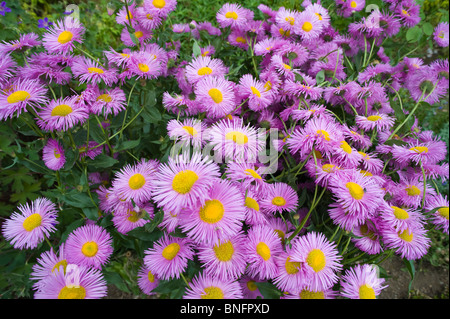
(291,20)
(89,249)
(184,181)
(287,67)
(374,118)
(241,40)
(419,149)
(18,96)
(443,212)
(405,12)
(316,260)
(252,173)
(364,155)
(406,235)
(62,263)
(255,91)
(150,277)
(105,98)
(224,252)
(366,292)
(365,173)
(216,95)
(356,191)
(284,33)
(159,4)
(291,267)
(212,293)
(268,86)
(133,216)
(61,110)
(95,70)
(32,221)
(251,285)
(204,71)
(400,213)
(263,250)
(278,201)
(347,149)
(143,67)
(65,37)
(149,16)
(353,4)
(72,293)
(212,212)
(318,15)
(323,134)
(237,137)
(136,181)
(231,15)
(328,168)
(306,294)
(139,34)
(251,203)
(192,131)
(205,53)
(412,190)
(307,26)
(171,251)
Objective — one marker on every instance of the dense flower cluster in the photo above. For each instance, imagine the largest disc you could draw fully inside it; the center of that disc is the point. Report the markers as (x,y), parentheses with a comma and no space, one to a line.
(243,224)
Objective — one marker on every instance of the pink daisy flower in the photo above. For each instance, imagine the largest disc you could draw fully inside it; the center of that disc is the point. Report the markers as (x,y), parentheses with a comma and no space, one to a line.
(233,140)
(224,260)
(231,15)
(141,34)
(169,257)
(371,163)
(89,245)
(261,247)
(368,238)
(409,192)
(53,155)
(90,71)
(204,66)
(7,68)
(342,218)
(125,16)
(80,282)
(247,174)
(28,228)
(170,221)
(430,152)
(135,182)
(62,114)
(25,42)
(320,259)
(204,286)
(359,194)
(258,97)
(161,7)
(108,101)
(286,18)
(46,264)
(253,213)
(249,288)
(90,150)
(189,131)
(184,182)
(411,244)
(291,275)
(280,197)
(441,34)
(380,122)
(361,282)
(148,18)
(440,216)
(15,97)
(147,281)
(144,65)
(216,95)
(128,218)
(401,218)
(308,25)
(218,218)
(61,37)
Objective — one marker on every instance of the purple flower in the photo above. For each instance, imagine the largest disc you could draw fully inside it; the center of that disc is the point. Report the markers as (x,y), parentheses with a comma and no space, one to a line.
(4,9)
(44,23)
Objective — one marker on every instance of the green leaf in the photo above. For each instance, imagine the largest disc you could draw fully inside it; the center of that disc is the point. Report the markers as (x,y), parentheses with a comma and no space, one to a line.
(80,200)
(268,290)
(74,225)
(412,271)
(196,49)
(414,34)
(166,287)
(115,279)
(103,161)
(91,212)
(428,28)
(125,145)
(157,219)
(320,77)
